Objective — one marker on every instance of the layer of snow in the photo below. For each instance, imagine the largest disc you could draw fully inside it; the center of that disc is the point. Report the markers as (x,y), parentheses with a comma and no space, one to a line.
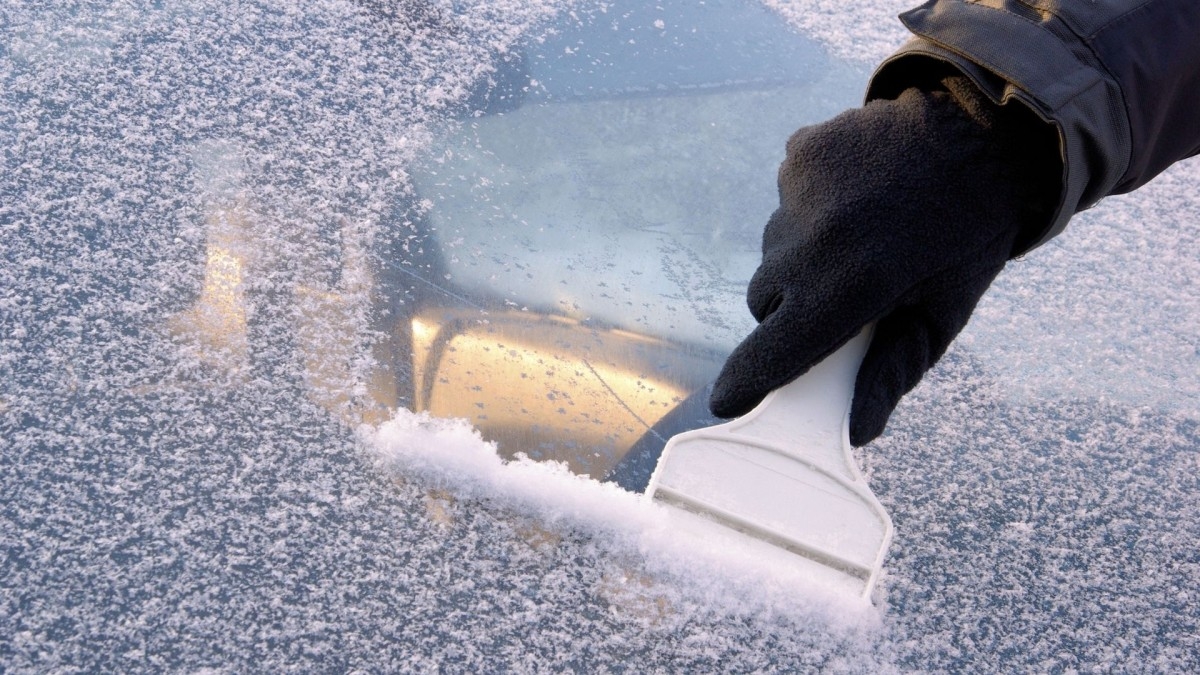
(172,499)
(864,32)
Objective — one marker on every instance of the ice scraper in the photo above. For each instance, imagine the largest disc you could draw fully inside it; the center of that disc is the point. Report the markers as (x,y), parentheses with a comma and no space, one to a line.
(781,483)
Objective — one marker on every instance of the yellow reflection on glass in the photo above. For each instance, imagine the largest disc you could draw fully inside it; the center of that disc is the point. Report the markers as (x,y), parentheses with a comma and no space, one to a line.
(550,387)
(216,324)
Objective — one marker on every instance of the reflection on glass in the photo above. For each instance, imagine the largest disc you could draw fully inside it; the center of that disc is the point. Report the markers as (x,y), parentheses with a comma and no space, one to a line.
(216,324)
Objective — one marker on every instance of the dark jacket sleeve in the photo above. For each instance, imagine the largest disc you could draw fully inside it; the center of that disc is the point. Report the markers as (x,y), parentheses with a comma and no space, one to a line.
(1119,79)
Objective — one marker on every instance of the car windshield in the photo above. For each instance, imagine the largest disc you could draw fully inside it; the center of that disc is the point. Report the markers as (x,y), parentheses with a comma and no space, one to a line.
(342,335)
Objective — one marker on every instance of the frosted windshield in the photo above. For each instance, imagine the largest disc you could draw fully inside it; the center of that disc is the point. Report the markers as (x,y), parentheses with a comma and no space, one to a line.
(260,261)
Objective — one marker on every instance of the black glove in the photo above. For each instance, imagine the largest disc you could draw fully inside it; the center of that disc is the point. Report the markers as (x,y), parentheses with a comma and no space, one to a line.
(900,212)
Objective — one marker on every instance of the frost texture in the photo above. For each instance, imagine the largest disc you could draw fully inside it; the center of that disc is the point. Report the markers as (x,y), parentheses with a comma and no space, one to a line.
(865,32)
(172,499)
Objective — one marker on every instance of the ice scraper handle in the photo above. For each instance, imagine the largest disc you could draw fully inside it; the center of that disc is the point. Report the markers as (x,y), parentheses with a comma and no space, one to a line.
(901,212)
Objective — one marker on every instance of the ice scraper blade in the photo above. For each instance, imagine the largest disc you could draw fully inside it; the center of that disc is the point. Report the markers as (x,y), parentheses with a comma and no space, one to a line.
(782,484)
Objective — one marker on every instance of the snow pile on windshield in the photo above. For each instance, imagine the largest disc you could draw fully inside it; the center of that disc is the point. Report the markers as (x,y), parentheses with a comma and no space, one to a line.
(453,462)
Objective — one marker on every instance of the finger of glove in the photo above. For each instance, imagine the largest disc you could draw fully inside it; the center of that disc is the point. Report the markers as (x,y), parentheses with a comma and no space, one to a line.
(783,347)
(764,294)
(900,353)
(765,291)
(755,367)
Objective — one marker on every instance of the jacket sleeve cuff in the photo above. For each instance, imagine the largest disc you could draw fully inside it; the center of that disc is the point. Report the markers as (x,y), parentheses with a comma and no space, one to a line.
(1057,82)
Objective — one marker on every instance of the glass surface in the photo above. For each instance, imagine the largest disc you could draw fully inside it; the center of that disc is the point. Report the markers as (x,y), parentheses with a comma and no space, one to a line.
(239,244)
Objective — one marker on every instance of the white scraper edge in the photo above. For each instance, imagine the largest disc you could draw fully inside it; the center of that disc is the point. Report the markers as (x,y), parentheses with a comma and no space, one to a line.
(781,483)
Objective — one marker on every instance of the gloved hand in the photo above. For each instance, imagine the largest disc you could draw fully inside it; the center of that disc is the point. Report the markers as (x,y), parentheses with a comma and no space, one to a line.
(901,212)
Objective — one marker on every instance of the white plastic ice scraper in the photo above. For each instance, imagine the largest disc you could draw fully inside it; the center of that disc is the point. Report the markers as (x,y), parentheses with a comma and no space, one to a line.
(781,484)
